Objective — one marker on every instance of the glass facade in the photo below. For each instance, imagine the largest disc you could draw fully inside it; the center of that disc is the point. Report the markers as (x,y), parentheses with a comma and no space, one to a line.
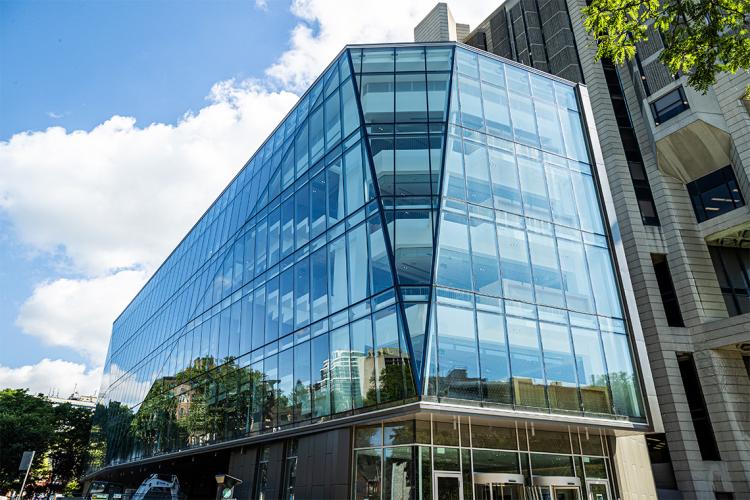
(424,224)
(407,459)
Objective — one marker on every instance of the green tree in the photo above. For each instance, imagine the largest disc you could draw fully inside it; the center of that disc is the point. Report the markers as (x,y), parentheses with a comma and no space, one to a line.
(69,443)
(26,423)
(702,38)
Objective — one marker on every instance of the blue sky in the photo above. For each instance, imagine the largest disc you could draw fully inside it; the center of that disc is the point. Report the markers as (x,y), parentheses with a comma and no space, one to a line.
(120,122)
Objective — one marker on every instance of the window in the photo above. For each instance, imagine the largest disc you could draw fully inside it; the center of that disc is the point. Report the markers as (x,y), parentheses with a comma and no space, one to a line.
(262,484)
(732,266)
(669,105)
(290,469)
(666,288)
(643,194)
(715,194)
(704,433)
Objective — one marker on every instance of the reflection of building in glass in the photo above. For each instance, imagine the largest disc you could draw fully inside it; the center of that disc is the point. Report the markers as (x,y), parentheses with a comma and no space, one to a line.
(421,239)
(678,162)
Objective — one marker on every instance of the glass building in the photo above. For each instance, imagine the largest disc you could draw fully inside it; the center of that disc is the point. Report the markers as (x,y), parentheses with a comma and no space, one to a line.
(410,290)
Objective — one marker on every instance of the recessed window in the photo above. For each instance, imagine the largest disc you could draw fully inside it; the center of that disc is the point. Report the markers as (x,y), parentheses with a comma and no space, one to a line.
(669,105)
(732,266)
(715,194)
(667,291)
(704,432)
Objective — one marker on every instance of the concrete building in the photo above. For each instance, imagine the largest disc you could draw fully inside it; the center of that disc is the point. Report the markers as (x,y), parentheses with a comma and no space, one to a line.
(440,26)
(678,164)
(415,288)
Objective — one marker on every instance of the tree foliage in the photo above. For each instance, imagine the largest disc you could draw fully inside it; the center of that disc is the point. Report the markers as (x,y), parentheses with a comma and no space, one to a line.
(702,38)
(58,434)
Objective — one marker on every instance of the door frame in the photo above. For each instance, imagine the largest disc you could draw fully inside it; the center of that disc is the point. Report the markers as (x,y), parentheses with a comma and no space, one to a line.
(438,473)
(598,481)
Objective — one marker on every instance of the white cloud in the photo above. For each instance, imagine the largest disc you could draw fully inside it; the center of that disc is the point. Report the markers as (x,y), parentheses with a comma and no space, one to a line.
(114,200)
(261,5)
(121,196)
(52,375)
(78,313)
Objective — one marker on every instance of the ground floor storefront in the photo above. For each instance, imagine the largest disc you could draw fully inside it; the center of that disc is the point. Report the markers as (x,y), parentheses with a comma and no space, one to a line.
(422,455)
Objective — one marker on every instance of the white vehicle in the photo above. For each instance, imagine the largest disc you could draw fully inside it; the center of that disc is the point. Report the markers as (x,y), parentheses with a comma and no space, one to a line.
(159,487)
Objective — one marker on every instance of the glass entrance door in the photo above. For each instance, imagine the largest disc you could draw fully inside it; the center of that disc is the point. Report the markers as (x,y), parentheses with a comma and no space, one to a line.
(448,486)
(500,491)
(598,489)
(565,493)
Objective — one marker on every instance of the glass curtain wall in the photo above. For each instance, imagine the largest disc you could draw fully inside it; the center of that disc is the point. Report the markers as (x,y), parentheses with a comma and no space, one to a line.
(283,312)
(527,311)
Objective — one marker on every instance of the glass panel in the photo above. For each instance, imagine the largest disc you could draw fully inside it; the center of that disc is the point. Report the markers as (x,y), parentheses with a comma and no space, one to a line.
(333,120)
(514,263)
(355,182)
(300,150)
(592,374)
(377,60)
(301,293)
(363,369)
(302,215)
(358,265)
(493,358)
(380,268)
(495,462)
(501,438)
(274,237)
(270,380)
(455,186)
(400,483)
(437,95)
(446,459)
(259,317)
(439,58)
(350,112)
(302,402)
(367,473)
(526,363)
(505,187)
(287,301)
(319,284)
(408,59)
(533,185)
(603,281)
(388,363)
(485,263)
(287,227)
(367,436)
(340,369)
(546,270)
(335,188)
(552,465)
(587,202)
(377,97)
(318,204)
(559,367)
(497,111)
(320,376)
(477,174)
(453,253)
(411,98)
(561,195)
(286,387)
(412,172)
(337,275)
(457,353)
(272,310)
(414,245)
(382,150)
(622,377)
(575,276)
(471,103)
(316,134)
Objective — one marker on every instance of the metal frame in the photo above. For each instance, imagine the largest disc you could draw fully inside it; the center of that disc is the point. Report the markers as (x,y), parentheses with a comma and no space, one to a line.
(438,473)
